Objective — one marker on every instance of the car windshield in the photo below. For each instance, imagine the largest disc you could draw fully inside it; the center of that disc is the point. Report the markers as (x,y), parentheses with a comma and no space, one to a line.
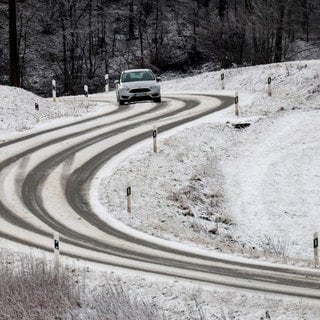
(137,76)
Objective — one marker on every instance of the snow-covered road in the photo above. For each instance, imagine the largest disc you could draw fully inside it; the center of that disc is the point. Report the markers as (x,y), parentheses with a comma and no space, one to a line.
(45,182)
(197,166)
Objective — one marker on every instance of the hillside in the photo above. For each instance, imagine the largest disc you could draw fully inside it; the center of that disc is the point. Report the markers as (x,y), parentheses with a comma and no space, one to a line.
(262,184)
(78,42)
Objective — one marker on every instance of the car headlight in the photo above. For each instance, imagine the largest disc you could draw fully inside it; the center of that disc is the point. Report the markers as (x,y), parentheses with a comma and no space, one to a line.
(124,88)
(154,87)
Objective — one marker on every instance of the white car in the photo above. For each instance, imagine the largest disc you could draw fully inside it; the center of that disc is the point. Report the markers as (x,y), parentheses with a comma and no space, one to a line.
(138,85)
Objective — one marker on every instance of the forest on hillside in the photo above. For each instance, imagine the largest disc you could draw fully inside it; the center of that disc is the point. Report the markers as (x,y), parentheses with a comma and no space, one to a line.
(79,41)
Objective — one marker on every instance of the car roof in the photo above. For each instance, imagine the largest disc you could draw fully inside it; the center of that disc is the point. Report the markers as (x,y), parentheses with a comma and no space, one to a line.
(135,70)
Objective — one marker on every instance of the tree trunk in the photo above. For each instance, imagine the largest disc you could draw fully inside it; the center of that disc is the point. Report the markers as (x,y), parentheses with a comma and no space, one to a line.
(305,6)
(195,26)
(141,34)
(64,47)
(156,30)
(279,33)
(222,8)
(131,21)
(14,54)
(65,68)
(90,36)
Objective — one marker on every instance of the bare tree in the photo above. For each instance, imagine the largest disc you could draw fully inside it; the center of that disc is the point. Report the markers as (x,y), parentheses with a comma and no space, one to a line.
(14,54)
(131,21)
(141,28)
(222,8)
(93,37)
(71,17)
(280,7)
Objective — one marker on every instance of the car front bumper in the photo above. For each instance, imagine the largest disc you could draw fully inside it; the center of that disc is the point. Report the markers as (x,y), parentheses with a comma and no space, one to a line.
(139,95)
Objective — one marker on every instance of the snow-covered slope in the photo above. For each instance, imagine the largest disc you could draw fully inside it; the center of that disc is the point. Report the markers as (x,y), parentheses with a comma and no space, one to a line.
(18,109)
(251,192)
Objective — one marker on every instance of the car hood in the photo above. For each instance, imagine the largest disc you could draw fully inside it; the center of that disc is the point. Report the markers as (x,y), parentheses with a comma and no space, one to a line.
(139,84)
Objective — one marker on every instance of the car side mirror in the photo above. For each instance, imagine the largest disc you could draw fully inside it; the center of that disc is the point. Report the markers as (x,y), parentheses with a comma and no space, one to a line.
(116,82)
(158,79)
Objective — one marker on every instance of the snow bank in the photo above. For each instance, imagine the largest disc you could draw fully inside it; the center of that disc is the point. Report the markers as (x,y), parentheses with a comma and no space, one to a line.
(228,190)
(18,112)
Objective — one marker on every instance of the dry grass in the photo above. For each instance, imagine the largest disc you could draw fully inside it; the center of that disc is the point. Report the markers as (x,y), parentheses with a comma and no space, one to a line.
(117,302)
(32,289)
(275,246)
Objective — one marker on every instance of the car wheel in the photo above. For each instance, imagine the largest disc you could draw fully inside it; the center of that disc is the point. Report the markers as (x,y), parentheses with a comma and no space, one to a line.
(157,99)
(120,102)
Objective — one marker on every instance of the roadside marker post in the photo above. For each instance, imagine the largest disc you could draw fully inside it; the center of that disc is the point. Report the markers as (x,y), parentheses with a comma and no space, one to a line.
(269,87)
(36,107)
(316,248)
(106,80)
(154,136)
(54,91)
(129,199)
(222,78)
(85,88)
(56,249)
(236,104)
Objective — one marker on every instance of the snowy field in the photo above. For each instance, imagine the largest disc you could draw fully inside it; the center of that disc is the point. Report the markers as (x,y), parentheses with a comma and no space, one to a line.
(251,192)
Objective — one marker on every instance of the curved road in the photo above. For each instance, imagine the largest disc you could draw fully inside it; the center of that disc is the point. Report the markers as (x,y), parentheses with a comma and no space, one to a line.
(45,179)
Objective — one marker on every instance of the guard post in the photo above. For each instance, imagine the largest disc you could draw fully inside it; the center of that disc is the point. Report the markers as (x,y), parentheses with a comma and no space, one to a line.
(56,249)
(236,104)
(154,137)
(129,199)
(36,108)
(269,86)
(85,88)
(316,248)
(222,78)
(54,91)
(106,80)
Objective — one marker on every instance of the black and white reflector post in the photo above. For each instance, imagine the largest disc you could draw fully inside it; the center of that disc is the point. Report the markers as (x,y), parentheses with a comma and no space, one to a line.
(36,108)
(56,248)
(222,79)
(316,248)
(154,136)
(54,91)
(106,80)
(129,198)
(85,89)
(236,104)
(269,87)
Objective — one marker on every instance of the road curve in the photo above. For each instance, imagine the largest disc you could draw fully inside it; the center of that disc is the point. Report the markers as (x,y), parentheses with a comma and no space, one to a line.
(44,188)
